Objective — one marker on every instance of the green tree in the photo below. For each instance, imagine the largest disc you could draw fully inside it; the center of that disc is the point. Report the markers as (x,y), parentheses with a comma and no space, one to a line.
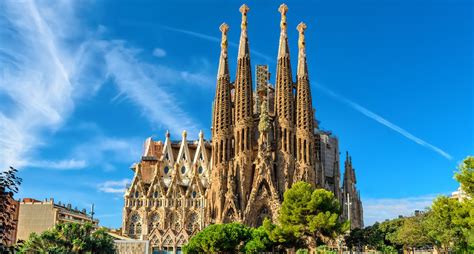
(389,231)
(465,175)
(219,238)
(260,241)
(413,233)
(70,238)
(441,222)
(310,214)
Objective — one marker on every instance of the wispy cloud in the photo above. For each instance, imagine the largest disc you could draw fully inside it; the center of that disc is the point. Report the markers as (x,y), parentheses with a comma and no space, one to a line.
(60,164)
(46,67)
(217,39)
(35,78)
(159,52)
(114,186)
(138,81)
(390,208)
(368,113)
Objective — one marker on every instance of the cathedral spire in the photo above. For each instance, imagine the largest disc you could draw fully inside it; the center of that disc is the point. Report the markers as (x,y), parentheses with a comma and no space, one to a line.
(284,106)
(243,87)
(305,153)
(222,113)
(302,66)
(243,112)
(283,47)
(243,43)
(223,62)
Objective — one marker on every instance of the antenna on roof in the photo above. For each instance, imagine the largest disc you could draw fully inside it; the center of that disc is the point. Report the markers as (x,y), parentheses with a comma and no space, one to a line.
(92,212)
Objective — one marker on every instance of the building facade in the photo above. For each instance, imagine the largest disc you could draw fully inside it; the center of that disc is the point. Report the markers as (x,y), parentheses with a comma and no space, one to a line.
(38,216)
(263,140)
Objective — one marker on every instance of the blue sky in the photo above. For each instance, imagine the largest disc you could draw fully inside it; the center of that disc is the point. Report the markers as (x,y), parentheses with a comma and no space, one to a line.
(83,83)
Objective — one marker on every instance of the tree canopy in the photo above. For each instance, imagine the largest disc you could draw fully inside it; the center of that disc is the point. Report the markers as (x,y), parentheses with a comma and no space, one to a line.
(69,238)
(465,175)
(309,214)
(219,238)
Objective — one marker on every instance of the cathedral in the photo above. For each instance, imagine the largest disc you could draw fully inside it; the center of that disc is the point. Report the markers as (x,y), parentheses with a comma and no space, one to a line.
(264,139)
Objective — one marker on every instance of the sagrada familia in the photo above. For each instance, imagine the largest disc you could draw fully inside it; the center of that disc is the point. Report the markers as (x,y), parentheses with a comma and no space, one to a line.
(263,141)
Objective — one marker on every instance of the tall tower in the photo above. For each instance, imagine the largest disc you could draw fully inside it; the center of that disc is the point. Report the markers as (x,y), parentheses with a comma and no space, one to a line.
(221,135)
(305,169)
(284,109)
(243,112)
(353,210)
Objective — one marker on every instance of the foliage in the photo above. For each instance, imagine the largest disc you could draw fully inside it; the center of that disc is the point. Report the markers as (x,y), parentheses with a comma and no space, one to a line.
(374,237)
(310,214)
(389,231)
(465,175)
(9,184)
(70,238)
(448,223)
(302,251)
(413,232)
(219,238)
(260,240)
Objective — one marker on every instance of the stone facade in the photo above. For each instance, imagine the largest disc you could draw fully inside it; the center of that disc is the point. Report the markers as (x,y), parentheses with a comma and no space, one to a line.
(262,142)
(166,199)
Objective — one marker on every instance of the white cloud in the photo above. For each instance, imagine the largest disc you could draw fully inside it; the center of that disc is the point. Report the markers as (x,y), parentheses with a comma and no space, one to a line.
(35,77)
(159,52)
(114,186)
(385,122)
(380,209)
(46,67)
(138,81)
(61,164)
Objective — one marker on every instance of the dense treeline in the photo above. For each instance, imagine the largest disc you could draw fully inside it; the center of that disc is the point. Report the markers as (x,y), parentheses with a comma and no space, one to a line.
(448,225)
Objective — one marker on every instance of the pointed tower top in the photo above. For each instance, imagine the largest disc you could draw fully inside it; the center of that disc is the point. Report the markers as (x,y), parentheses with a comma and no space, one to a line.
(283,9)
(243,43)
(283,47)
(167,133)
(185,134)
(201,134)
(302,70)
(223,69)
(301,27)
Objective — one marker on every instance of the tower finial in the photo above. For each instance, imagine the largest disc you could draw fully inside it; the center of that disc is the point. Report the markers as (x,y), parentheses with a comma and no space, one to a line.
(302,70)
(283,50)
(244,9)
(224,28)
(243,43)
(283,9)
(223,69)
(301,28)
